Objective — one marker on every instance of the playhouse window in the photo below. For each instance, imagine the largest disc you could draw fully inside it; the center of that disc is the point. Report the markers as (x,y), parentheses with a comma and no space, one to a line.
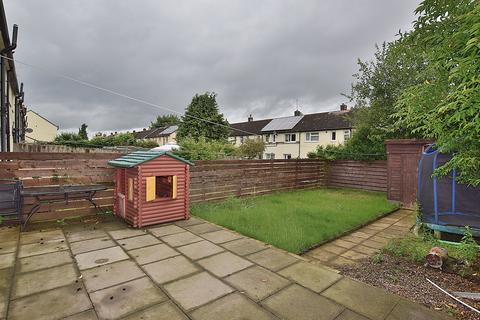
(161,187)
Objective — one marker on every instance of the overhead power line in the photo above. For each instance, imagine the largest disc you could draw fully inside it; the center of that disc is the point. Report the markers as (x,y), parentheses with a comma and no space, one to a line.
(116,93)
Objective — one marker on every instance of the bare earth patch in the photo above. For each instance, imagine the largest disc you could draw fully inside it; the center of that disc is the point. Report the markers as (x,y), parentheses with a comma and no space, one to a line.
(407,279)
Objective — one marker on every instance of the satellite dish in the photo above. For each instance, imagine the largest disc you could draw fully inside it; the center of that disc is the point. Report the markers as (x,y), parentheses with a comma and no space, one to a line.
(29,130)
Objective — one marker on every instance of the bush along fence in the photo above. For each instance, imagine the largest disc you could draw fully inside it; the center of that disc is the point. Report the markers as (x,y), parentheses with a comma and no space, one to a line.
(209,180)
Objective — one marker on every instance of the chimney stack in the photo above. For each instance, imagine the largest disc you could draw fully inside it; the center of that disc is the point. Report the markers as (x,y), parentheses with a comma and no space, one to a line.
(343,107)
(144,129)
(250,118)
(297,113)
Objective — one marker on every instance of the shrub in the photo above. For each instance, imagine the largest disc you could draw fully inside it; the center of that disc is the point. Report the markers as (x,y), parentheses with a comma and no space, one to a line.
(203,149)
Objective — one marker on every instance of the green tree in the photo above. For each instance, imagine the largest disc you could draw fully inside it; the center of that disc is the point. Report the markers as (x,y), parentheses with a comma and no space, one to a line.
(251,148)
(446,104)
(203,149)
(82,132)
(203,119)
(378,85)
(165,120)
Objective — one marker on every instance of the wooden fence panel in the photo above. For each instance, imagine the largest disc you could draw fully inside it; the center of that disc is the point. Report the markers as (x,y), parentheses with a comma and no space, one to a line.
(49,169)
(358,174)
(216,180)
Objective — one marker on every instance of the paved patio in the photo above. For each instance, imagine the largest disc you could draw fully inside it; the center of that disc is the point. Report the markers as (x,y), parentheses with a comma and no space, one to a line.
(186,270)
(364,242)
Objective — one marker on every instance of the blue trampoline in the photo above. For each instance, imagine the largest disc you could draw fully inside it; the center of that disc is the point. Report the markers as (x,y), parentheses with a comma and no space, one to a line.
(445,204)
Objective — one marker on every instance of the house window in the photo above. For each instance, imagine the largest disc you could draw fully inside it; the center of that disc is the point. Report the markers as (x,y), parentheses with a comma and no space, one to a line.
(287,156)
(312,136)
(161,187)
(290,137)
(334,135)
(270,138)
(346,135)
(270,156)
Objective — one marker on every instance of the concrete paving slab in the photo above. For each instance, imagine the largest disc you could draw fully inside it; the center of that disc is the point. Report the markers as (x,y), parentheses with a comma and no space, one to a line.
(44,261)
(163,311)
(181,239)
(350,315)
(341,261)
(272,259)
(321,255)
(170,269)
(85,235)
(85,315)
(138,242)
(406,310)
(311,276)
(224,264)
(245,246)
(32,249)
(343,243)
(166,230)
(197,290)
(361,234)
(376,303)
(200,250)
(7,260)
(203,228)
(121,300)
(354,255)
(352,238)
(221,236)
(111,274)
(153,253)
(365,250)
(42,280)
(380,239)
(5,280)
(330,247)
(126,233)
(100,257)
(41,235)
(257,282)
(8,247)
(190,222)
(232,307)
(373,244)
(91,245)
(298,303)
(51,305)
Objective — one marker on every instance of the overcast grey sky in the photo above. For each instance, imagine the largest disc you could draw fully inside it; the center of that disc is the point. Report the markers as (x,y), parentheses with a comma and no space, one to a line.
(258,56)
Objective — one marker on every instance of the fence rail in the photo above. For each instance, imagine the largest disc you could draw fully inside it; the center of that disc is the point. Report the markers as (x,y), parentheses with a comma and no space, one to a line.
(209,180)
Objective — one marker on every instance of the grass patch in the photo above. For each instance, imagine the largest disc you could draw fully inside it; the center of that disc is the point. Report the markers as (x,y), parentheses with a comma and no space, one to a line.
(296,220)
(463,256)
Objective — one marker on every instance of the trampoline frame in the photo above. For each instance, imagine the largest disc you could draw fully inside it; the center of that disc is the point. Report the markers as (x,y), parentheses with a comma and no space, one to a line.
(438,224)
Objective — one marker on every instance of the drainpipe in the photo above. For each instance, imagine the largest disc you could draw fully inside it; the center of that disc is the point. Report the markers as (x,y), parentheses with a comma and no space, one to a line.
(4,136)
(17,133)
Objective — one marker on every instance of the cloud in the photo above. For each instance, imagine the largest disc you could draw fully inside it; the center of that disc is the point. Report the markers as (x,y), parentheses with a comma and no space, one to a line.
(259,56)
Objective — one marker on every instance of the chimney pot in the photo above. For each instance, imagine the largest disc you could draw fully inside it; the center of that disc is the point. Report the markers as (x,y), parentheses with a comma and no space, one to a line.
(250,118)
(297,113)
(343,107)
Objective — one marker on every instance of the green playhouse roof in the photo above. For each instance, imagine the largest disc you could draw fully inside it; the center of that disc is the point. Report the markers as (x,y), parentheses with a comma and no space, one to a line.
(134,159)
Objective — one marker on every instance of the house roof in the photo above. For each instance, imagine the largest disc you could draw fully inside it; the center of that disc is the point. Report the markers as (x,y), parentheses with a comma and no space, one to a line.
(155,132)
(282,124)
(241,128)
(323,121)
(136,158)
(309,122)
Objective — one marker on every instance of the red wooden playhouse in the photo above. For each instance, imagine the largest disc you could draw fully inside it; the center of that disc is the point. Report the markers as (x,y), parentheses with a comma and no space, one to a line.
(151,187)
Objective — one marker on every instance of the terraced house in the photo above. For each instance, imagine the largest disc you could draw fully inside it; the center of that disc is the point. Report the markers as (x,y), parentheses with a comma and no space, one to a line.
(162,135)
(297,135)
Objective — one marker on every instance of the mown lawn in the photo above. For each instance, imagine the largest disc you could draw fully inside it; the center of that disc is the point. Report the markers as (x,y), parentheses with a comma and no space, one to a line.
(296,220)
